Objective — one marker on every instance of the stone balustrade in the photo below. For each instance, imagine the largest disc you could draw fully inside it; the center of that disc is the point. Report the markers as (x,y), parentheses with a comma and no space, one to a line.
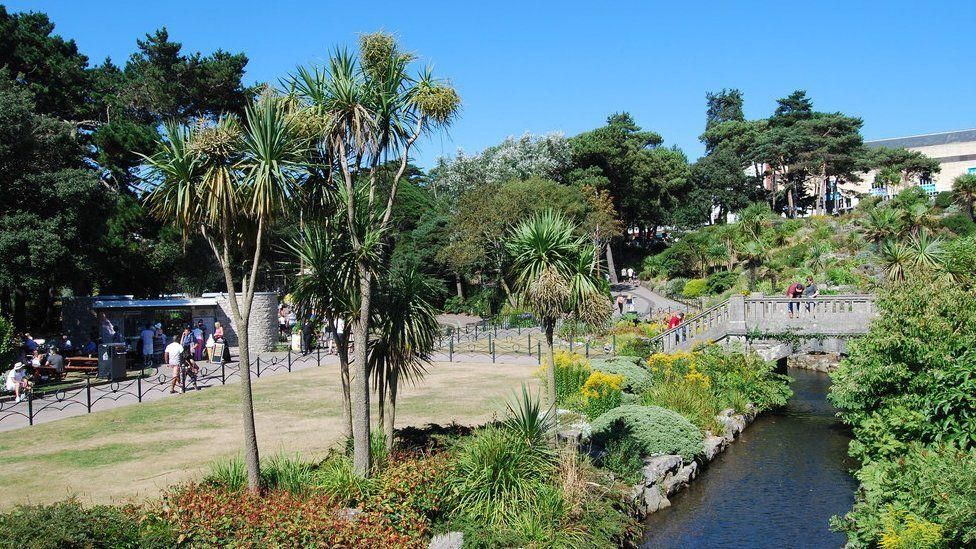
(766,317)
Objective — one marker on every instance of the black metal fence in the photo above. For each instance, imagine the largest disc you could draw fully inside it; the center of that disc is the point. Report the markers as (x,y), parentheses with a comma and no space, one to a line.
(93,394)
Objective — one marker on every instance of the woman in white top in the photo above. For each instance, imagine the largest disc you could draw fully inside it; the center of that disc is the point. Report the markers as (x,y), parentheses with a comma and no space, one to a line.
(17,380)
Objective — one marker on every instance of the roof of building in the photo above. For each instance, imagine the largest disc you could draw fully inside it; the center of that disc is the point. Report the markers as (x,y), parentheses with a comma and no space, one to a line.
(925,140)
(155,303)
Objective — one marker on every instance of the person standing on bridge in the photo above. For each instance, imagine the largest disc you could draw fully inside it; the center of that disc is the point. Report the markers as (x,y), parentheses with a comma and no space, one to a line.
(794,293)
(811,292)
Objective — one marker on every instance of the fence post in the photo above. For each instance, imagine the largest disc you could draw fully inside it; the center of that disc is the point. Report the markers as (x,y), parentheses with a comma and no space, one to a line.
(496,329)
(30,408)
(476,332)
(538,351)
(318,357)
(587,349)
(450,352)
(491,345)
(289,359)
(223,372)
(139,386)
(258,367)
(88,393)
(530,345)
(571,345)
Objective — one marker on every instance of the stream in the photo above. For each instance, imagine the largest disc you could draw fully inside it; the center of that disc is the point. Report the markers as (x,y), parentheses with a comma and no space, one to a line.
(777,486)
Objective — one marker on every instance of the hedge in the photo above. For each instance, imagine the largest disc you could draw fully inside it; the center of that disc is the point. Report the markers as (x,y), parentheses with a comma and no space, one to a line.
(636,378)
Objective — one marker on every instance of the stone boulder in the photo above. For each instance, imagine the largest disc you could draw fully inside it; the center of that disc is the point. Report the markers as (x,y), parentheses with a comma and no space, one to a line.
(450,540)
(714,446)
(654,500)
(658,467)
(675,482)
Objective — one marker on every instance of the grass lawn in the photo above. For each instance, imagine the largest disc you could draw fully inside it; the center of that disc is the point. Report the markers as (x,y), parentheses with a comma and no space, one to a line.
(133,452)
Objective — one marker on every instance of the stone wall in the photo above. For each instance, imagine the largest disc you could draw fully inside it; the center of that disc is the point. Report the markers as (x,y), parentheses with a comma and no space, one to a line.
(263,327)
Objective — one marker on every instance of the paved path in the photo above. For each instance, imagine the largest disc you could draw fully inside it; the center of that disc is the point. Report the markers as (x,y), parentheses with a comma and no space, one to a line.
(647,301)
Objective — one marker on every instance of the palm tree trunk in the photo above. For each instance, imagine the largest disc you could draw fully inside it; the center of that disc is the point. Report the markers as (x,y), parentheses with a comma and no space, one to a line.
(460,287)
(358,379)
(611,269)
(342,348)
(550,327)
(391,395)
(381,403)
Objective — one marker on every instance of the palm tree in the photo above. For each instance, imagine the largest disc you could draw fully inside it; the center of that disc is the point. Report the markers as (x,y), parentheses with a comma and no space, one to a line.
(896,260)
(554,273)
(372,112)
(227,181)
(753,253)
(926,251)
(881,224)
(964,190)
(406,331)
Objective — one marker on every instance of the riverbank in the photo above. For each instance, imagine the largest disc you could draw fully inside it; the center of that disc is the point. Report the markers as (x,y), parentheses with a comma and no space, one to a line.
(777,486)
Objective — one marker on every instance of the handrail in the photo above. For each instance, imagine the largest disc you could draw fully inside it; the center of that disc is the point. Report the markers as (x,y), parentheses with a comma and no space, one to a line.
(684,333)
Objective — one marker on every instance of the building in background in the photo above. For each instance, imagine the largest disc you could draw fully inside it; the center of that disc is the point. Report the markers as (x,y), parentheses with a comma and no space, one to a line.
(955,151)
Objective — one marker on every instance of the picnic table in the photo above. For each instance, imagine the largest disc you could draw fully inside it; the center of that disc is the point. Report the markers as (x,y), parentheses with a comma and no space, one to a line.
(83,364)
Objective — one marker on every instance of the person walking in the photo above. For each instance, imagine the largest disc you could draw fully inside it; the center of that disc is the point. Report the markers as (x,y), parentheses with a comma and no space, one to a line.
(189,369)
(620,303)
(171,356)
(199,336)
(186,339)
(308,333)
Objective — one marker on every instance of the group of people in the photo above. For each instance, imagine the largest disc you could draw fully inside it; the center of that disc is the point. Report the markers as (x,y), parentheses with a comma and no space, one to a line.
(329,333)
(36,363)
(798,291)
(194,339)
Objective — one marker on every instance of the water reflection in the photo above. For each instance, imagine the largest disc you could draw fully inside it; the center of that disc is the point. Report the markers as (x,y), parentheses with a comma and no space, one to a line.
(775,487)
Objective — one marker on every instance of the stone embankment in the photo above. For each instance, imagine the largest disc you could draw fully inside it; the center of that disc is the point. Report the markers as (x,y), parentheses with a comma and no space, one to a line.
(666,475)
(818,362)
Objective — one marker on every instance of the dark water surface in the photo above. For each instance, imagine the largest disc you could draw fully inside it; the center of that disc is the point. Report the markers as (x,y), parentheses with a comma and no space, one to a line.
(777,486)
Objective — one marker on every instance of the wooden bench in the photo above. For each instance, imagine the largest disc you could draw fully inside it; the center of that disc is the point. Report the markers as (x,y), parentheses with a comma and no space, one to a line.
(84,364)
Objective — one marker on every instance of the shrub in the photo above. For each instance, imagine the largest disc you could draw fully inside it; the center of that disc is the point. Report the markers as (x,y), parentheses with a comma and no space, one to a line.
(412,492)
(229,473)
(601,393)
(918,356)
(912,497)
(8,347)
(336,478)
(719,282)
(694,287)
(636,379)
(623,458)
(496,474)
(634,345)
(217,517)
(944,199)
(291,474)
(655,429)
(960,224)
(69,524)
(692,400)
(528,419)
(571,373)
(840,276)
(675,287)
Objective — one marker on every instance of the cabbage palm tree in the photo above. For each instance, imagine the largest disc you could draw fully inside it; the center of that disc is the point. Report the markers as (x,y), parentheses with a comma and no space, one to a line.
(896,260)
(964,190)
(881,224)
(926,250)
(555,277)
(371,111)
(405,334)
(227,181)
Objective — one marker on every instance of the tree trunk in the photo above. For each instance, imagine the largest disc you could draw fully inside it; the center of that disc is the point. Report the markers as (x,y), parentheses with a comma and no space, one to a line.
(20,309)
(790,206)
(381,403)
(251,458)
(342,348)
(358,380)
(550,327)
(459,285)
(391,395)
(611,269)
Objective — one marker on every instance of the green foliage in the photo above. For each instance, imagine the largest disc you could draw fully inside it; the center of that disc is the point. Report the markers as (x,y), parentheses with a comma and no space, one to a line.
(635,346)
(497,474)
(529,419)
(68,524)
(601,393)
(624,458)
(636,378)
(927,493)
(572,370)
(959,224)
(909,379)
(719,282)
(279,472)
(944,199)
(655,429)
(8,347)
(336,478)
(694,287)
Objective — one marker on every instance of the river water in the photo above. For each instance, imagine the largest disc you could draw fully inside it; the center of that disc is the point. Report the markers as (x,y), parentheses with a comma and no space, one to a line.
(777,486)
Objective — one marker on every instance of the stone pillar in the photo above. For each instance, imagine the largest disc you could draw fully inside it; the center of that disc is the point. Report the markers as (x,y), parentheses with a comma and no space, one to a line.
(737,315)
(263,325)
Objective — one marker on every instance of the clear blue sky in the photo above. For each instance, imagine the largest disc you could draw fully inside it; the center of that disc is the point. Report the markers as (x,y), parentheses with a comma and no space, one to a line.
(904,67)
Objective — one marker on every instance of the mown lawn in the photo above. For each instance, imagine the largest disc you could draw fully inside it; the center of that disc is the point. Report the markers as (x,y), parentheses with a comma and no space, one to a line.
(132,452)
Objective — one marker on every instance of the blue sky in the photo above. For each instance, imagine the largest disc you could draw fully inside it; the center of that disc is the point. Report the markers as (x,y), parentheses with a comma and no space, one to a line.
(904,67)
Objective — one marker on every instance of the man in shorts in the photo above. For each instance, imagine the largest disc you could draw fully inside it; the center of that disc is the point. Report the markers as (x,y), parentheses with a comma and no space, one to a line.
(172,358)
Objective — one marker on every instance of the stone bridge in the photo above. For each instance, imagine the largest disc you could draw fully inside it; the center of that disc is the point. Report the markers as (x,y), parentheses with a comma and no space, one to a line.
(767,324)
